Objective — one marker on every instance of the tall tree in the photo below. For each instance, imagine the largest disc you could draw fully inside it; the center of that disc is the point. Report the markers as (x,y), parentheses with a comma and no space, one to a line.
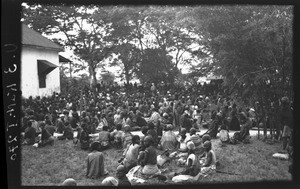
(251,47)
(129,57)
(85,29)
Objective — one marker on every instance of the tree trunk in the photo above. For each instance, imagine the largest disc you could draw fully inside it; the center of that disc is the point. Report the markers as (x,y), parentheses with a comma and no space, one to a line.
(93,81)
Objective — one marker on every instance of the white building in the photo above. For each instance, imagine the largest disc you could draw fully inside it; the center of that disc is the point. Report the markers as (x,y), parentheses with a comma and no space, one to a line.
(39,64)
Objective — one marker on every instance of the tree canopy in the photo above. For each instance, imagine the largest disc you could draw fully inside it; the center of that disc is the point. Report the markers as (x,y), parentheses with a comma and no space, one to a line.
(251,47)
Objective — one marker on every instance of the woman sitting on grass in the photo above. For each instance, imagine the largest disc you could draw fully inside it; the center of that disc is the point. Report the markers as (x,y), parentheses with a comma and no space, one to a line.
(46,138)
(209,164)
(84,137)
(68,132)
(104,137)
(121,176)
(169,140)
(30,134)
(131,153)
(95,163)
(195,138)
(182,141)
(192,162)
(243,135)
(148,159)
(127,137)
(152,132)
(116,136)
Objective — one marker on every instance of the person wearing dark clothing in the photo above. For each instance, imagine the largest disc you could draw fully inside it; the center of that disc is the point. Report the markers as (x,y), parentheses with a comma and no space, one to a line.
(140,121)
(84,138)
(50,128)
(121,176)
(234,124)
(60,124)
(213,130)
(104,138)
(95,163)
(286,121)
(68,132)
(153,133)
(46,137)
(30,134)
(149,159)
(187,122)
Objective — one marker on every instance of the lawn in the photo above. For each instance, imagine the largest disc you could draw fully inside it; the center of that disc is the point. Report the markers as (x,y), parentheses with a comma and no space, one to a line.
(51,165)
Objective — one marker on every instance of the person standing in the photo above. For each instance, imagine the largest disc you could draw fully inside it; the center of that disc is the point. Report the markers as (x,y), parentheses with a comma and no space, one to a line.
(286,120)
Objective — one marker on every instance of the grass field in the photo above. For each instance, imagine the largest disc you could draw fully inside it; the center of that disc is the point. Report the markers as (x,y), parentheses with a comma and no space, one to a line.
(51,165)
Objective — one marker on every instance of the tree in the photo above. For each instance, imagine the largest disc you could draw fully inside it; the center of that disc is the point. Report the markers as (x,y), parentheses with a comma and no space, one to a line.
(251,48)
(85,29)
(129,58)
(151,70)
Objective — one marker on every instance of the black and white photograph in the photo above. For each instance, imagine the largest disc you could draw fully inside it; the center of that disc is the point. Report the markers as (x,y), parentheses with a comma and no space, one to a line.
(150,94)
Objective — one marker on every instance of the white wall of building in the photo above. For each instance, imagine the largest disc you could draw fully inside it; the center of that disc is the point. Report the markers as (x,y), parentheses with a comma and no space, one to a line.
(29,72)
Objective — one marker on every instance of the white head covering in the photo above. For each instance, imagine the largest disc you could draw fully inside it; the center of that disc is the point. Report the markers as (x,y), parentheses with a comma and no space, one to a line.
(110,181)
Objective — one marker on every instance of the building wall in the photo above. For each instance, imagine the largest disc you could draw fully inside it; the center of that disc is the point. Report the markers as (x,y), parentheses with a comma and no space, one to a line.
(29,72)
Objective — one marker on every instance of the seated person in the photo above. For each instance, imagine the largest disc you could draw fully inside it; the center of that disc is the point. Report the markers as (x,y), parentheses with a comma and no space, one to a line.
(140,121)
(116,136)
(210,159)
(195,138)
(60,123)
(68,132)
(104,138)
(214,127)
(149,159)
(121,176)
(131,153)
(144,132)
(153,133)
(165,121)
(224,134)
(182,141)
(95,163)
(192,162)
(127,137)
(243,135)
(169,140)
(50,128)
(209,164)
(30,134)
(46,137)
(84,138)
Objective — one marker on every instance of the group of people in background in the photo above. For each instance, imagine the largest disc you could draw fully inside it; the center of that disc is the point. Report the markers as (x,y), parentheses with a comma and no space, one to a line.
(106,120)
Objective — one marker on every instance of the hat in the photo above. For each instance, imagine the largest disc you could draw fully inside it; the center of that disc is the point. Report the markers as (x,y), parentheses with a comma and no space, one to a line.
(207,144)
(61,115)
(165,114)
(190,145)
(251,109)
(69,182)
(110,181)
